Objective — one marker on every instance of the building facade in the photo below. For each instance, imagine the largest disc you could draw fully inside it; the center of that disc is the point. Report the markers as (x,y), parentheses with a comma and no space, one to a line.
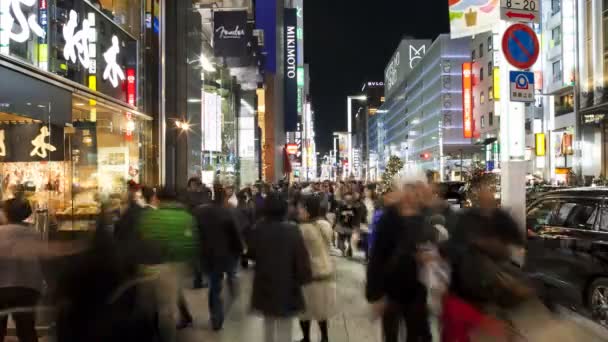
(77,103)
(422,118)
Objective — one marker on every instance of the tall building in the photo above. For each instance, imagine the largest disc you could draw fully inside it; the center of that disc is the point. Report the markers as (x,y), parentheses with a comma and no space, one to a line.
(213,92)
(485,51)
(422,118)
(374,94)
(590,152)
(558,123)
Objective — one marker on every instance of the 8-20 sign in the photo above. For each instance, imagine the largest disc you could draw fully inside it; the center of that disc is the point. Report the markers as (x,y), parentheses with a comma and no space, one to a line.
(526,11)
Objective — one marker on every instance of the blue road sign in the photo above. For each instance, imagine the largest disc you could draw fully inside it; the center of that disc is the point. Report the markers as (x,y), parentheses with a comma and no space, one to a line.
(520,46)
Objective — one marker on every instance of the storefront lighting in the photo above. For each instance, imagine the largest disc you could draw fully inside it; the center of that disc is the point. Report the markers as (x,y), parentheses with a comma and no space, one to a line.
(206,64)
(184,126)
(194,101)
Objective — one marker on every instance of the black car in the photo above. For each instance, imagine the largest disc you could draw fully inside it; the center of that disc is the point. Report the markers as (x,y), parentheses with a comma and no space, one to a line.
(568,248)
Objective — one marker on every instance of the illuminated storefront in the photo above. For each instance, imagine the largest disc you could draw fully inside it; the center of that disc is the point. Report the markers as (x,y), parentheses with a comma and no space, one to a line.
(71,130)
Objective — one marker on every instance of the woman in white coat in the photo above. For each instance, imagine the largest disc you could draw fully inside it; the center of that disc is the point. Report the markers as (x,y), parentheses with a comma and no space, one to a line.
(320,295)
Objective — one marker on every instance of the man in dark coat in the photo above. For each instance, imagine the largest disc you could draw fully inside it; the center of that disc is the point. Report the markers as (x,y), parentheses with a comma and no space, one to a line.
(282,265)
(220,247)
(392,274)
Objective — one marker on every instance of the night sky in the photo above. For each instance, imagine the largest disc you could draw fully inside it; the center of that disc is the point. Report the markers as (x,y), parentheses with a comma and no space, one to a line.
(350,42)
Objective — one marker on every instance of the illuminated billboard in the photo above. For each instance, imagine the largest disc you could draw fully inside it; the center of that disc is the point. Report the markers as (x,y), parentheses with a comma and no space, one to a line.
(467,100)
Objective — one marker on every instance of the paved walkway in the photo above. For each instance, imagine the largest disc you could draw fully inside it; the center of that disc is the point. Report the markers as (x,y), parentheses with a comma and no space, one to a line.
(353,324)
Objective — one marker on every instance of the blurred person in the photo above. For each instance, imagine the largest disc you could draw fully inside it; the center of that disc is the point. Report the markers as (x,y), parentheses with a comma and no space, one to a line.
(282,268)
(230,196)
(97,296)
(393,286)
(221,246)
(480,252)
(348,220)
(124,229)
(168,247)
(246,217)
(369,202)
(21,278)
(320,294)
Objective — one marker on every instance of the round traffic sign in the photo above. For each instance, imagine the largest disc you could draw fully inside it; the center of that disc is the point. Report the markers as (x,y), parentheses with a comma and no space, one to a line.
(520,46)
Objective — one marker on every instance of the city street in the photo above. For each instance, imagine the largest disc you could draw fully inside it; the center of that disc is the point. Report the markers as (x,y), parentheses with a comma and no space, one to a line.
(353,324)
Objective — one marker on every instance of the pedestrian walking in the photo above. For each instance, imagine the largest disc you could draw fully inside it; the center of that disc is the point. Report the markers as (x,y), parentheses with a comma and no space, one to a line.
(348,220)
(392,274)
(221,245)
(169,246)
(21,277)
(282,268)
(320,294)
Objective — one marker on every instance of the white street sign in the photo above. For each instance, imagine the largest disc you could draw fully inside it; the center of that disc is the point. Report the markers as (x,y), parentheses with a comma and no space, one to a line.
(522,86)
(526,11)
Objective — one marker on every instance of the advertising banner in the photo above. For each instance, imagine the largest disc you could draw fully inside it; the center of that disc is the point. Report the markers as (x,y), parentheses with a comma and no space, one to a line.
(290,60)
(212,121)
(408,54)
(472,17)
(266,20)
(229,33)
(31,142)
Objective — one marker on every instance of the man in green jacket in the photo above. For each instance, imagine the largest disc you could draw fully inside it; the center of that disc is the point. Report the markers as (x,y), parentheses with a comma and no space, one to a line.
(167,231)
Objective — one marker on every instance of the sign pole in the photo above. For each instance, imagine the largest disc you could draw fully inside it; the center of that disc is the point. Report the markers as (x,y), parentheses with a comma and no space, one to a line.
(512,144)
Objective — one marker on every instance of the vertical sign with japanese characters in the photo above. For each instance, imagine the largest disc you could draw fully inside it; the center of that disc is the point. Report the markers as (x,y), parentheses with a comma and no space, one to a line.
(467,100)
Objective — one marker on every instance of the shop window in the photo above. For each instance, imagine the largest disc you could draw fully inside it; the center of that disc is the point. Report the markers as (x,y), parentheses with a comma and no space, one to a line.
(126,13)
(564,104)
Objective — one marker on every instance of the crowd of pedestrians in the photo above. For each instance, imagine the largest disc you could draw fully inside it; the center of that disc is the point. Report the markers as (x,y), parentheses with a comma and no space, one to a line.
(433,272)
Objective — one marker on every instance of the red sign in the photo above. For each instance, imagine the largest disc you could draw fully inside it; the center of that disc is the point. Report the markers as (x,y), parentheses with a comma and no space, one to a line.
(292,149)
(529,16)
(520,46)
(467,99)
(131,86)
(42,5)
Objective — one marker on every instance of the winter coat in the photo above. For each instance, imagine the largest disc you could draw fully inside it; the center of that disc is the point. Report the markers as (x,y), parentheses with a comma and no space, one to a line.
(220,240)
(17,270)
(392,269)
(282,267)
(349,218)
(168,234)
(320,294)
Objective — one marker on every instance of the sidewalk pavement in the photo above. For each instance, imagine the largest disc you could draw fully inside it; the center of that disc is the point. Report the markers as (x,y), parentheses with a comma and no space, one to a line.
(352,324)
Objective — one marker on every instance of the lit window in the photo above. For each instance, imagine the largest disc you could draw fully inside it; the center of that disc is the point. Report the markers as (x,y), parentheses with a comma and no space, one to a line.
(482,98)
(490,94)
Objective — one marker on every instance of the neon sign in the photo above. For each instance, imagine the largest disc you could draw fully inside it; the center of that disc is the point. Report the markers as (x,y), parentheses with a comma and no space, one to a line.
(467,100)
(131,86)
(27,25)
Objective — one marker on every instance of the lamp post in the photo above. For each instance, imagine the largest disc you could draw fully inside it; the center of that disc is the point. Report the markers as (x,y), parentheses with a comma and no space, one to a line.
(349,119)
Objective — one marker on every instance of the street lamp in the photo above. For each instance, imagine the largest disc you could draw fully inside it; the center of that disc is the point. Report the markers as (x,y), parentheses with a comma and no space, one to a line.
(349,119)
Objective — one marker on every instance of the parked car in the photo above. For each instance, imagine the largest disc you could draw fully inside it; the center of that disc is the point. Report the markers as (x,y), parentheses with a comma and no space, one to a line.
(568,248)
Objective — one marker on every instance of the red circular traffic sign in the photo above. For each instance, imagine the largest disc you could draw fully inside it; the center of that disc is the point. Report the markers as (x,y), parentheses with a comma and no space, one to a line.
(520,46)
